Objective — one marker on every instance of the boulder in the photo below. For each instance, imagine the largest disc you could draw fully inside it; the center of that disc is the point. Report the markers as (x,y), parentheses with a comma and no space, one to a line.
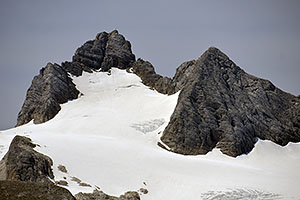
(23,163)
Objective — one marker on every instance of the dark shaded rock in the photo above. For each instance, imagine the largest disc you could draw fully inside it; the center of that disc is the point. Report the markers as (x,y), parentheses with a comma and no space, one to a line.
(62,168)
(143,190)
(75,68)
(131,195)
(219,104)
(53,86)
(99,195)
(84,184)
(75,179)
(146,72)
(92,53)
(50,88)
(118,52)
(17,190)
(222,106)
(62,182)
(23,163)
(106,51)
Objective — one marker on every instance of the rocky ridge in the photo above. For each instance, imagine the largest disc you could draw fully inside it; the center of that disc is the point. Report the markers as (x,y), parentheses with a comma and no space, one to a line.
(48,90)
(23,163)
(219,104)
(222,106)
(53,86)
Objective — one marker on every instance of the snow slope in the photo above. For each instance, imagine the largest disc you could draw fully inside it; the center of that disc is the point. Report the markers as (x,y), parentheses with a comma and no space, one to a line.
(107,138)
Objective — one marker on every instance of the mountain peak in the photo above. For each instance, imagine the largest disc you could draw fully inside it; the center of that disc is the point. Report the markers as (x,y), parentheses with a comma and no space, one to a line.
(222,106)
(219,104)
(106,51)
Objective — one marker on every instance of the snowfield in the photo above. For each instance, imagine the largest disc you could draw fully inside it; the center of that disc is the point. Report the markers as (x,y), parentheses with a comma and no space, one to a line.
(108,138)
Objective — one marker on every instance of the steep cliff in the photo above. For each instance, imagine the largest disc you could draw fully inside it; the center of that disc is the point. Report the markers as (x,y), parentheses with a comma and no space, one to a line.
(222,106)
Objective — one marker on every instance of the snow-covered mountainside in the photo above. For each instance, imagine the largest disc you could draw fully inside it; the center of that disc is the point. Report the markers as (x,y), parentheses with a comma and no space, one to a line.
(108,139)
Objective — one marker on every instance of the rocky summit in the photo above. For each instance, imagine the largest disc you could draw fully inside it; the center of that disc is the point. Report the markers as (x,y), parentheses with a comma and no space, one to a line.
(219,104)
(222,106)
(124,108)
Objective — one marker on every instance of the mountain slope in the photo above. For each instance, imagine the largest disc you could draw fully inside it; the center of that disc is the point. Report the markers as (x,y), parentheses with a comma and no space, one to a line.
(222,106)
(219,105)
(110,143)
(110,115)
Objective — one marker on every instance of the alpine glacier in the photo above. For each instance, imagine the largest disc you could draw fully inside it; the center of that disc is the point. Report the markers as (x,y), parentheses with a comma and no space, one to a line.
(108,139)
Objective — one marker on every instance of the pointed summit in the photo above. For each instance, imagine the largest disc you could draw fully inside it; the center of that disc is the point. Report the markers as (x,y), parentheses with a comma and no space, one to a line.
(219,104)
(106,51)
(222,106)
(53,86)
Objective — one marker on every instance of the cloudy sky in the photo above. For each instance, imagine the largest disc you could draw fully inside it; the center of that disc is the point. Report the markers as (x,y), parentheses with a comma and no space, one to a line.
(262,37)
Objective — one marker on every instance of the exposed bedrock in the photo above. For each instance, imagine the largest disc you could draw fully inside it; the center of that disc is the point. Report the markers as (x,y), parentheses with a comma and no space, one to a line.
(23,163)
(25,174)
(219,104)
(99,195)
(51,87)
(18,190)
(222,106)
(146,72)
(107,50)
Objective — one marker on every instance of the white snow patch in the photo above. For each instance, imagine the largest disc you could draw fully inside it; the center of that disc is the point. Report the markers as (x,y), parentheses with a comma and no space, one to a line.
(99,138)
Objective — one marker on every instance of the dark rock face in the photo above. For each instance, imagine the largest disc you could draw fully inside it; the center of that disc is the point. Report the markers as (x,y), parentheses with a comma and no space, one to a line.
(146,72)
(222,106)
(219,104)
(106,51)
(53,86)
(23,163)
(17,190)
(50,88)
(99,195)
(75,68)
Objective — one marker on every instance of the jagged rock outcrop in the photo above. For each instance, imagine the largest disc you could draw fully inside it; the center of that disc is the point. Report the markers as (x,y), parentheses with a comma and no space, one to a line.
(18,190)
(146,72)
(51,87)
(23,163)
(99,195)
(221,106)
(107,50)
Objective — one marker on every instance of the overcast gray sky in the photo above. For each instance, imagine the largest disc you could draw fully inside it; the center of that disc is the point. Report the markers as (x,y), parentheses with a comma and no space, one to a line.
(262,37)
